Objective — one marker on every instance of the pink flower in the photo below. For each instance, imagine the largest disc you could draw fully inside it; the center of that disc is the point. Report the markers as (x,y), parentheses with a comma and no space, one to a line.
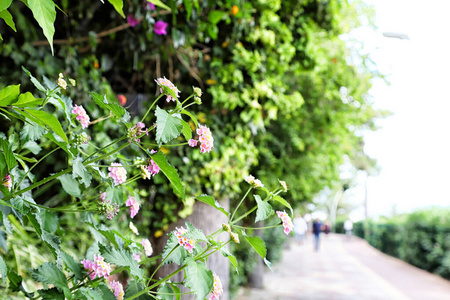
(192,142)
(164,82)
(160,28)
(118,173)
(133,205)
(153,168)
(147,247)
(117,289)
(81,115)
(105,207)
(188,244)
(253,181)
(216,290)
(287,222)
(7,182)
(137,257)
(97,268)
(150,5)
(206,139)
(132,20)
(136,131)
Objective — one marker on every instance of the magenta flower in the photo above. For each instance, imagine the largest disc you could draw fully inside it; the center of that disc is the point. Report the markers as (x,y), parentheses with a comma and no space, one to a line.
(153,168)
(81,115)
(118,173)
(132,20)
(147,247)
(216,290)
(117,289)
(133,205)
(160,28)
(97,268)
(7,182)
(192,142)
(287,222)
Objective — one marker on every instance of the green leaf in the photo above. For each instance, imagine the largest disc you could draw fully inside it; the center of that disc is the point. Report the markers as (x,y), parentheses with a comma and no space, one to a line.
(284,202)
(166,292)
(45,14)
(3,269)
(9,95)
(88,294)
(51,294)
(70,185)
(215,16)
(36,83)
(133,288)
(73,265)
(19,203)
(159,3)
(79,170)
(210,201)
(15,283)
(121,258)
(198,278)
(187,131)
(172,252)
(118,6)
(33,147)
(115,108)
(188,7)
(194,233)
(4,4)
(49,220)
(268,264)
(225,252)
(171,174)
(107,294)
(31,132)
(28,100)
(49,120)
(167,127)
(258,244)
(264,209)
(49,273)
(7,17)
(6,148)
(194,119)
(115,194)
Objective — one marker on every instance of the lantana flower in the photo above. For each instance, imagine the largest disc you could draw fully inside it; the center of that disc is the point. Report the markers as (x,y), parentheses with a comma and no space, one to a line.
(117,289)
(287,222)
(133,205)
(136,131)
(97,268)
(7,182)
(217,289)
(164,82)
(133,228)
(105,207)
(81,115)
(188,244)
(205,138)
(253,181)
(283,185)
(192,143)
(160,28)
(147,247)
(61,82)
(117,173)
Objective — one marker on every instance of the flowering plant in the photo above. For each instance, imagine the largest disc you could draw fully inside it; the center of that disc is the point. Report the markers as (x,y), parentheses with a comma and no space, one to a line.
(95,274)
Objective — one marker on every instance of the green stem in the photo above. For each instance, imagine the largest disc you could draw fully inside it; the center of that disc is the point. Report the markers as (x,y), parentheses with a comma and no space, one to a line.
(148,110)
(240,202)
(265,227)
(181,106)
(244,215)
(211,253)
(109,145)
(47,96)
(162,262)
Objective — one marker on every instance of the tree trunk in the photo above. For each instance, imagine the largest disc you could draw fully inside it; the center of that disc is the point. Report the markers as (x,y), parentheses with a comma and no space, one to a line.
(207,219)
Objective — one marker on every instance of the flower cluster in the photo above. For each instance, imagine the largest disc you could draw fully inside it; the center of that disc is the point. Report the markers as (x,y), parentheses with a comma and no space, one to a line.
(82,139)
(61,82)
(117,289)
(118,173)
(283,185)
(81,115)
(205,137)
(97,268)
(133,205)
(105,207)
(166,83)
(147,247)
(234,237)
(149,170)
(135,131)
(7,182)
(255,182)
(287,222)
(197,95)
(216,290)
(188,244)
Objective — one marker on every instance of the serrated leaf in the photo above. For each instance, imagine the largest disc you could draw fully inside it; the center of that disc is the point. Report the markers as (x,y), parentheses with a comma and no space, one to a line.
(115,194)
(51,294)
(49,273)
(107,294)
(258,244)
(32,146)
(284,202)
(122,258)
(264,209)
(36,83)
(167,127)
(194,119)
(49,220)
(3,269)
(45,14)
(49,120)
(9,95)
(31,132)
(19,203)
(118,6)
(211,201)
(171,174)
(133,288)
(165,292)
(79,170)
(172,253)
(73,265)
(7,17)
(70,185)
(198,278)
(88,294)
(187,131)
(194,233)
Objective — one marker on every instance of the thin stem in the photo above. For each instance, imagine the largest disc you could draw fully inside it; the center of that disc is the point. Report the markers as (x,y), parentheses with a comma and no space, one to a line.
(151,106)
(47,96)
(240,202)
(190,104)
(211,253)
(162,262)
(109,145)
(244,215)
(181,106)
(265,227)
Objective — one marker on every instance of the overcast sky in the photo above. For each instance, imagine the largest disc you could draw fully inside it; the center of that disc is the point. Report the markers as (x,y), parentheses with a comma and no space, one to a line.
(413,146)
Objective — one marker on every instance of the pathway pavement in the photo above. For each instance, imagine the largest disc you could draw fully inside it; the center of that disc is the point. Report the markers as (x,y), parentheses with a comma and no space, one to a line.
(345,269)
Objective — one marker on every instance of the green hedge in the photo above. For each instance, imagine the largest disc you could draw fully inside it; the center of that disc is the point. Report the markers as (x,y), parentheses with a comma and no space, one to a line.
(421,238)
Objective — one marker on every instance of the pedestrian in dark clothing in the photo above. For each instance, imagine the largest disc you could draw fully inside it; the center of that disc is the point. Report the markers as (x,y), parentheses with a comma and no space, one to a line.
(317,226)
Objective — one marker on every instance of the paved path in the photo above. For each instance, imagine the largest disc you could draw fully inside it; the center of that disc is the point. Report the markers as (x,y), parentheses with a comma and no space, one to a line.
(345,270)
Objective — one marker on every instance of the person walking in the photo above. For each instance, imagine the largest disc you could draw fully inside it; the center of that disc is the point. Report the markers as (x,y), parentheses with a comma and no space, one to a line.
(317,227)
(348,227)
(300,228)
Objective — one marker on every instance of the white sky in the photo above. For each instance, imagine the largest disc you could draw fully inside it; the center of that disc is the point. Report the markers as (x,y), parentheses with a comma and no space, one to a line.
(413,146)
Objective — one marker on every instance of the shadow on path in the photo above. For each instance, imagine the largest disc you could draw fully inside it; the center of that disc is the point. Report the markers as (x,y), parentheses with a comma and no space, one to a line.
(345,269)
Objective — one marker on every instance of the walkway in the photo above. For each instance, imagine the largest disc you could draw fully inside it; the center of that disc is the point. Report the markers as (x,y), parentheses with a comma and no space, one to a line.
(345,270)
